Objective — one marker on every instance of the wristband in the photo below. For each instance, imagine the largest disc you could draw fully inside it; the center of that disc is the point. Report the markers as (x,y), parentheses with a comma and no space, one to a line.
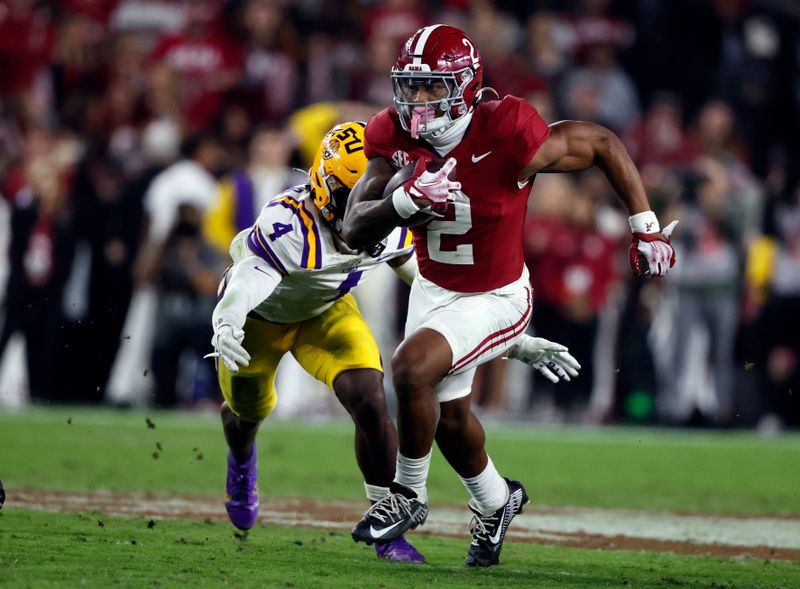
(645,222)
(408,270)
(403,203)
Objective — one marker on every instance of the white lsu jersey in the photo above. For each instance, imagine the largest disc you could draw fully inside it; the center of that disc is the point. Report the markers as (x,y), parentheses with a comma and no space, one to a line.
(291,236)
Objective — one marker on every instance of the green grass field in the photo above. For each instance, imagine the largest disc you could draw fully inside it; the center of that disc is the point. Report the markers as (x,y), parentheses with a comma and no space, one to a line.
(84,450)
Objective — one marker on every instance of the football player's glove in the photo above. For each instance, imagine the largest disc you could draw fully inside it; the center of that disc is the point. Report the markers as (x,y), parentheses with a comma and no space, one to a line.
(431,190)
(227,342)
(551,359)
(652,254)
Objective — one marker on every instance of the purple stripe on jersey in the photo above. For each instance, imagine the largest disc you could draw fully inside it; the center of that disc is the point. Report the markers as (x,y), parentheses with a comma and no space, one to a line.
(306,249)
(245,200)
(258,245)
(402,243)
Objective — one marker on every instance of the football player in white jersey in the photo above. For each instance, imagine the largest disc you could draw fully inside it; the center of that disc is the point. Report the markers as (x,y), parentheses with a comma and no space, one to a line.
(289,291)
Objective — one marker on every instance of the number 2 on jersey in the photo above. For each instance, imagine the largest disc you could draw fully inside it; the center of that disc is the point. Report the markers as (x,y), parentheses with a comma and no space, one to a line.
(462,222)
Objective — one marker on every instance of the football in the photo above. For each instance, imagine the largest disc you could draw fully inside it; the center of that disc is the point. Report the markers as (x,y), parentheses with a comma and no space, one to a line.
(402,176)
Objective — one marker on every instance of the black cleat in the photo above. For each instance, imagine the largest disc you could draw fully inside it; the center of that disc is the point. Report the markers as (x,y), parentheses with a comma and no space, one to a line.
(391,517)
(488,531)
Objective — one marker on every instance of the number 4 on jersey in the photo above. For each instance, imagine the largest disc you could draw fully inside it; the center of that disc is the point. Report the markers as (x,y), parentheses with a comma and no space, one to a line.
(279,229)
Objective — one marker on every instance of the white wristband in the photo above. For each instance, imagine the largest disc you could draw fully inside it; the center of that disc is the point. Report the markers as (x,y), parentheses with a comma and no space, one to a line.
(645,222)
(408,270)
(403,203)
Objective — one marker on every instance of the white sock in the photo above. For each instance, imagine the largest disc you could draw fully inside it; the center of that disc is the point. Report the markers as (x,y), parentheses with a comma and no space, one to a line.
(413,473)
(489,490)
(375,493)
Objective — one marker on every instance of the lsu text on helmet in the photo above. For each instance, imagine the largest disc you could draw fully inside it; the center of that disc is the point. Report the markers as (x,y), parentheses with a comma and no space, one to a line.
(338,164)
(445,62)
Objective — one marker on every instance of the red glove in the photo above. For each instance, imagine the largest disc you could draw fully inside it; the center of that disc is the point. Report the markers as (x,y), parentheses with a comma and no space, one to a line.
(651,254)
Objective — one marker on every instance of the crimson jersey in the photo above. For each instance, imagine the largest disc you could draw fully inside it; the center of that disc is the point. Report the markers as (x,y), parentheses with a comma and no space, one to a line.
(478,245)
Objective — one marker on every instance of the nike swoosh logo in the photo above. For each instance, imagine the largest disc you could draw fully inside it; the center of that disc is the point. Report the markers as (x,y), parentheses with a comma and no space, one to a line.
(260,270)
(381,533)
(477,158)
(423,184)
(495,538)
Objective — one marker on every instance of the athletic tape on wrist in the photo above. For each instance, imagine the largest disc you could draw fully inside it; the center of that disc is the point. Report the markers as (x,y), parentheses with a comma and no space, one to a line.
(403,203)
(645,222)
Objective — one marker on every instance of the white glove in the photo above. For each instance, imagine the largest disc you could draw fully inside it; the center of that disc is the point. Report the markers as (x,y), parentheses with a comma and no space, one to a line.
(552,360)
(431,189)
(227,342)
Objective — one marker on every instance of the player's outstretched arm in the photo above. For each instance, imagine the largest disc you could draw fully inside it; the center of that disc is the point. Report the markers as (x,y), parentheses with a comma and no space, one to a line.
(368,217)
(576,145)
(250,282)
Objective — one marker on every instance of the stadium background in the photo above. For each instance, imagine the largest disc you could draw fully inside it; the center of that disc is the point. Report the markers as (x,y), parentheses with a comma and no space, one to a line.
(136,137)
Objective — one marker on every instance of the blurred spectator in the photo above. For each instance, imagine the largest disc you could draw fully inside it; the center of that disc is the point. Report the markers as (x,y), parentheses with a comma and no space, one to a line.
(78,71)
(205,60)
(658,138)
(242,194)
(497,35)
(773,279)
(395,19)
(751,77)
(40,253)
(548,48)
(572,266)
(189,181)
(717,138)
(271,59)
(186,279)
(709,244)
(26,45)
(600,90)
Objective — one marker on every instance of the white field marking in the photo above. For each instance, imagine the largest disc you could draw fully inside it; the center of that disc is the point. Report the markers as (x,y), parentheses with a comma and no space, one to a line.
(550,524)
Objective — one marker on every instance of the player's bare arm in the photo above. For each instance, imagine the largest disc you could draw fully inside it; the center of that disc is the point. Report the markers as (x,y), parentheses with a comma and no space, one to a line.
(576,145)
(369,217)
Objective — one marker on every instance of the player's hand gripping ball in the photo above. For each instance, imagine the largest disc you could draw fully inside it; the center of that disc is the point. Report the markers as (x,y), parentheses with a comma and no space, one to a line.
(416,175)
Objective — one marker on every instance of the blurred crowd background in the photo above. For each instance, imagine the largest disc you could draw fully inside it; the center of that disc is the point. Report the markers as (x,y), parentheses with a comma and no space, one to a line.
(138,136)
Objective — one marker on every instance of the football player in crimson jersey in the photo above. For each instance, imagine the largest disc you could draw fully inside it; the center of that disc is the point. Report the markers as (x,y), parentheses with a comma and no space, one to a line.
(472,299)
(288,291)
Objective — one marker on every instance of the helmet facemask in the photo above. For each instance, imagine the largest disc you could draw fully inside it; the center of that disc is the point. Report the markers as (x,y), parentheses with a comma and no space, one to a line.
(432,117)
(333,210)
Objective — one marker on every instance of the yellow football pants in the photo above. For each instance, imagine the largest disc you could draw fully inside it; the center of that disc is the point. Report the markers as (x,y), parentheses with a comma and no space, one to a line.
(325,346)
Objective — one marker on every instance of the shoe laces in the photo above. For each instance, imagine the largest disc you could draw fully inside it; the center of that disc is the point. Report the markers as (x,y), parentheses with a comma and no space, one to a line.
(242,481)
(482,526)
(390,506)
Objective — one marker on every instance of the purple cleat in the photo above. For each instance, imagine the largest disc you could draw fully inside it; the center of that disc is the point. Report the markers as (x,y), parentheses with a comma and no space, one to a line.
(399,550)
(242,491)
